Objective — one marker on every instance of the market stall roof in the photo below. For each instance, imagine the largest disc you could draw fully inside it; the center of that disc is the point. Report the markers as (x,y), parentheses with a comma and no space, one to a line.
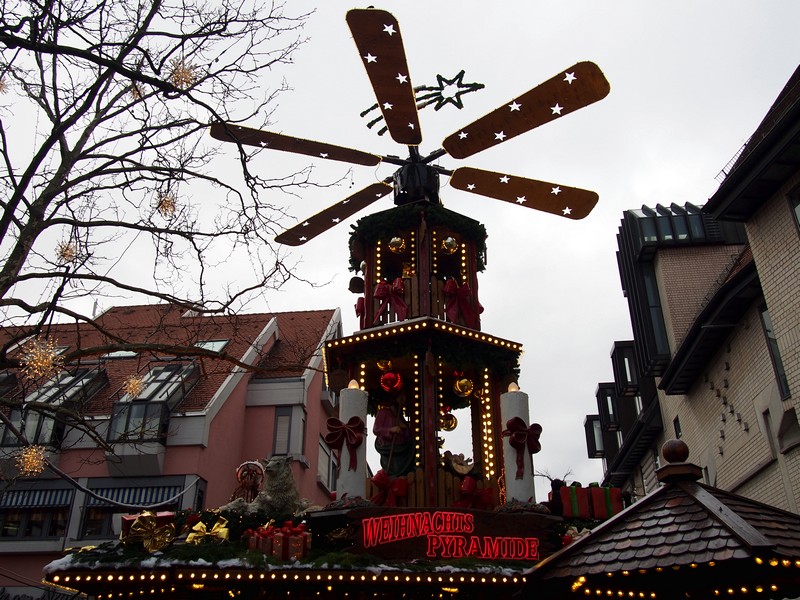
(686,540)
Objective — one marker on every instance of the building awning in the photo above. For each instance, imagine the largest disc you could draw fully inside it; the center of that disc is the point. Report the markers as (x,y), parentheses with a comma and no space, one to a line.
(35,498)
(134,495)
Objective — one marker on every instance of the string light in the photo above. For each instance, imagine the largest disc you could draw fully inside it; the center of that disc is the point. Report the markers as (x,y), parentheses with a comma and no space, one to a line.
(31,460)
(41,358)
(133,385)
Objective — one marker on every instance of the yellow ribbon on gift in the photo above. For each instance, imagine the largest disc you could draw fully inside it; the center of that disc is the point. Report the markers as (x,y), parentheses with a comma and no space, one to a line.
(199,532)
(145,529)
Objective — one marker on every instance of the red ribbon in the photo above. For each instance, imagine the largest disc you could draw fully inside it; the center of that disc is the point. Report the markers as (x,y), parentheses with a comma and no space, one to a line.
(472,496)
(388,489)
(391,295)
(351,433)
(521,436)
(459,302)
(361,311)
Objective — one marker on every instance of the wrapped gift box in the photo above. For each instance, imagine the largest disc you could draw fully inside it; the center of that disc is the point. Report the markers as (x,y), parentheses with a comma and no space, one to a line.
(576,501)
(605,501)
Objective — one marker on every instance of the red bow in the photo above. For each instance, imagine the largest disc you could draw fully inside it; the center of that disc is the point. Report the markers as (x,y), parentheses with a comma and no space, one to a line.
(471,495)
(521,436)
(391,295)
(361,311)
(352,432)
(459,303)
(388,489)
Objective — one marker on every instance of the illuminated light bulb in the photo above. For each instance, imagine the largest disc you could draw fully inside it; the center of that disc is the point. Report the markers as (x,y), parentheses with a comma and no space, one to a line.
(353,385)
(513,387)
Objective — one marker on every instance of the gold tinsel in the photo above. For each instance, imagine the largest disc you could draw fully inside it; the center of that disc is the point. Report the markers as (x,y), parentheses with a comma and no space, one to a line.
(66,252)
(181,75)
(31,461)
(133,385)
(40,358)
(166,204)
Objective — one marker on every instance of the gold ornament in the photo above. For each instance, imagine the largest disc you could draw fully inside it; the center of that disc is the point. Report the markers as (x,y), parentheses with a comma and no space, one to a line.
(449,245)
(384,364)
(479,393)
(397,245)
(200,533)
(133,385)
(463,387)
(448,422)
(181,75)
(166,204)
(145,529)
(31,461)
(40,358)
(66,252)
(408,270)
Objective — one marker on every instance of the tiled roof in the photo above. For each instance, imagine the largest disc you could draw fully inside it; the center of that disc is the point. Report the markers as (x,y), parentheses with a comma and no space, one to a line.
(675,538)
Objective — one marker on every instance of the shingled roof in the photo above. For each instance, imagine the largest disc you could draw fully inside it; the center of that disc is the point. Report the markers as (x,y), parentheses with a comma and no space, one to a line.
(683,540)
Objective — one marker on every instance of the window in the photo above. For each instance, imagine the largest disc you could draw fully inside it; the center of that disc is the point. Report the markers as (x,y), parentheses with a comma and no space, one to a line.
(213,345)
(121,354)
(638,404)
(326,467)
(42,428)
(774,353)
(676,423)
(146,416)
(34,513)
(283,429)
(98,514)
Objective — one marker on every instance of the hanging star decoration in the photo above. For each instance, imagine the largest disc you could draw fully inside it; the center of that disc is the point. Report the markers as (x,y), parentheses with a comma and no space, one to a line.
(446,91)
(41,358)
(66,252)
(133,385)
(31,461)
(3,86)
(165,204)
(182,75)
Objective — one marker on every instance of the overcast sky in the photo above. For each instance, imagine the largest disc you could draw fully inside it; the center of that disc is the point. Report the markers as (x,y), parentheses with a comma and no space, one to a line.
(690,81)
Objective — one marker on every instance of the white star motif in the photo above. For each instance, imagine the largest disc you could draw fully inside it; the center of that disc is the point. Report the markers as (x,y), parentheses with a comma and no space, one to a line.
(514,106)
(336,219)
(556,191)
(402,78)
(378,195)
(387,106)
(462,135)
(264,144)
(470,186)
(569,77)
(306,224)
(504,179)
(411,126)
(389,29)
(556,109)
(500,135)
(323,154)
(303,238)
(567,211)
(370,59)
(345,201)
(521,199)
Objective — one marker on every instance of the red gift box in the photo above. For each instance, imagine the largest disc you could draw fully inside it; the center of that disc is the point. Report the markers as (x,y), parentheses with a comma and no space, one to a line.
(280,546)
(606,501)
(576,501)
(296,547)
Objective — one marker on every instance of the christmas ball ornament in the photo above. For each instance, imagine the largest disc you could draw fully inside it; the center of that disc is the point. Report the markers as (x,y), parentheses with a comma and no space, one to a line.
(384,364)
(463,387)
(448,422)
(397,245)
(479,393)
(391,382)
(449,245)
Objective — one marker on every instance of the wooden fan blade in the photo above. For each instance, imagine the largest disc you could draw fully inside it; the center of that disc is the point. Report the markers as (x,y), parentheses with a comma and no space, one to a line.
(576,87)
(325,219)
(377,37)
(561,200)
(228,132)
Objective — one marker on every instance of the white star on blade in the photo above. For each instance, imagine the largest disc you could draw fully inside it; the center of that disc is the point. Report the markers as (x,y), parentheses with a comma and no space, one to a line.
(500,135)
(370,59)
(514,106)
(303,238)
(323,154)
(556,109)
(336,219)
(345,201)
(264,144)
(462,135)
(521,199)
(402,78)
(389,29)
(306,224)
(569,77)
(411,126)
(504,179)
(470,186)
(567,211)
(387,106)
(556,190)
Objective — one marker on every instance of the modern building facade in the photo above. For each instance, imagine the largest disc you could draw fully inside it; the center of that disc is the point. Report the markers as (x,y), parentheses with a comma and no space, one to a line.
(713,298)
(212,393)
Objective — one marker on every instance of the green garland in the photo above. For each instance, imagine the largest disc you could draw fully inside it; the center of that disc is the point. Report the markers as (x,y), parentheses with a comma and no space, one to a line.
(386,224)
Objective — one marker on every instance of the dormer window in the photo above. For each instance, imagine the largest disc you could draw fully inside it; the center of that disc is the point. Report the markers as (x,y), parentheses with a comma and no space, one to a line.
(213,345)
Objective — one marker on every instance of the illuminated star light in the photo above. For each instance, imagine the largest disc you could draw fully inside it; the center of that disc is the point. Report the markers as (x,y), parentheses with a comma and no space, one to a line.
(389,29)
(521,199)
(557,109)
(500,135)
(370,59)
(556,190)
(567,211)
(402,78)
(504,179)
(569,77)
(514,106)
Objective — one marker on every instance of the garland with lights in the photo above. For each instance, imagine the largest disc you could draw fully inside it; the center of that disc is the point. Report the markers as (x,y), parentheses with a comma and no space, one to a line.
(386,224)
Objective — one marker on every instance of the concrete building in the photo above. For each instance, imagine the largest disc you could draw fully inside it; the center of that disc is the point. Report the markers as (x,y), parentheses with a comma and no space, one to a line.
(713,294)
(193,420)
